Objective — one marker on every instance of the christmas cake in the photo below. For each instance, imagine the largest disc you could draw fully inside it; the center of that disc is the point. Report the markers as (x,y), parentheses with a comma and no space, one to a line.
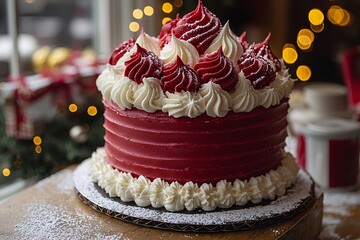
(194,119)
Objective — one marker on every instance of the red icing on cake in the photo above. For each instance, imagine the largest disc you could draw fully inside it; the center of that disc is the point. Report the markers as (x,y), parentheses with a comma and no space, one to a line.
(198,27)
(143,64)
(243,42)
(257,69)
(121,50)
(166,31)
(178,76)
(202,150)
(263,49)
(217,68)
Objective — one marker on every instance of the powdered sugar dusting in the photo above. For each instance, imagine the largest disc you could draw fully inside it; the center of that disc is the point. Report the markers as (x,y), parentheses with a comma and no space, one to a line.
(287,203)
(45,221)
(63,182)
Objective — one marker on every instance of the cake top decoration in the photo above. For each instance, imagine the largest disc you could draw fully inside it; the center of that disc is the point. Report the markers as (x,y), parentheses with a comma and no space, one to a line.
(195,57)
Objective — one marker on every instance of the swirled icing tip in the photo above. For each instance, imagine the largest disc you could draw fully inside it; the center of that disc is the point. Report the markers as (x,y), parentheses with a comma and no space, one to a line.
(167,31)
(243,42)
(198,27)
(216,67)
(263,49)
(179,77)
(121,50)
(143,64)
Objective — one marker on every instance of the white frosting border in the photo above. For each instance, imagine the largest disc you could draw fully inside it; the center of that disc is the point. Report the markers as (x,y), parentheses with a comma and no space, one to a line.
(176,197)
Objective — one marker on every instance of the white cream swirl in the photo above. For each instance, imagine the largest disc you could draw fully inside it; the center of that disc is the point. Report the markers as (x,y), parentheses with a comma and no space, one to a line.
(157,192)
(176,197)
(218,102)
(148,42)
(141,191)
(123,93)
(268,96)
(177,47)
(227,41)
(106,81)
(209,197)
(149,96)
(183,104)
(283,83)
(245,97)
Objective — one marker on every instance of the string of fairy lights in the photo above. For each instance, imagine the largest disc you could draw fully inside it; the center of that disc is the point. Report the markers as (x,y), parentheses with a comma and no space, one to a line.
(306,36)
(139,14)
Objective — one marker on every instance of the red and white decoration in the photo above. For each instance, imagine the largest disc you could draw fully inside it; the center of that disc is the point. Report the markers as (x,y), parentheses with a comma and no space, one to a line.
(329,151)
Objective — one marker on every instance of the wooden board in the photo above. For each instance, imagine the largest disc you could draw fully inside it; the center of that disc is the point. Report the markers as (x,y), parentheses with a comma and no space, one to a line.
(51,210)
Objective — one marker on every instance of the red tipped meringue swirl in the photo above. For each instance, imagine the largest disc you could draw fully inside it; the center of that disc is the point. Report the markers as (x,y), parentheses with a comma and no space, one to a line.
(178,76)
(217,68)
(121,50)
(243,42)
(166,31)
(143,64)
(257,69)
(263,49)
(198,27)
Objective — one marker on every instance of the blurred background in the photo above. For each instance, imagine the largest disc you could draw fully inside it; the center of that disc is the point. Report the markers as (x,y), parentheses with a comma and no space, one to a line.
(64,44)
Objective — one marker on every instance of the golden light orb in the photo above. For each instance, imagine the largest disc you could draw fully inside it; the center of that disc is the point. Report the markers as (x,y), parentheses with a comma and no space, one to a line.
(134,26)
(92,111)
(165,20)
(167,7)
(303,72)
(289,54)
(6,172)
(37,140)
(137,13)
(38,149)
(148,10)
(316,17)
(73,107)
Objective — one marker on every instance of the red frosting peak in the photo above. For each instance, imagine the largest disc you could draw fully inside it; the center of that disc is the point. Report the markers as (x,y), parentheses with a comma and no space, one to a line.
(217,68)
(166,31)
(178,76)
(243,42)
(256,68)
(198,27)
(263,49)
(121,50)
(143,64)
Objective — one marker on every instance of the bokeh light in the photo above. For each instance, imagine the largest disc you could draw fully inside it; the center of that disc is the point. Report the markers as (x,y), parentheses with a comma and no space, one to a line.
(37,140)
(317,28)
(38,149)
(148,11)
(134,26)
(73,107)
(92,111)
(316,17)
(289,54)
(178,3)
(137,13)
(303,72)
(339,16)
(165,20)
(6,172)
(167,7)
(305,38)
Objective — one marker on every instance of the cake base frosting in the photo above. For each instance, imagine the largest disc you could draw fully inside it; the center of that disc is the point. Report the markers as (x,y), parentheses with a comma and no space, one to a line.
(296,200)
(174,196)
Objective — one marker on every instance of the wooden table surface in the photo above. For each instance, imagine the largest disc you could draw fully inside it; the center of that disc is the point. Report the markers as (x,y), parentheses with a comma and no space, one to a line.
(51,210)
